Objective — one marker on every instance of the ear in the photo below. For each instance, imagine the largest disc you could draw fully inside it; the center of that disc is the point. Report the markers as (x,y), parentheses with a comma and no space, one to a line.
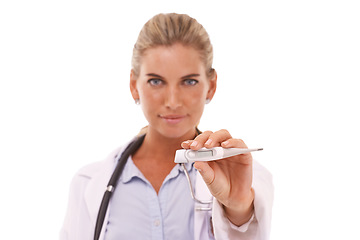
(133,87)
(212,85)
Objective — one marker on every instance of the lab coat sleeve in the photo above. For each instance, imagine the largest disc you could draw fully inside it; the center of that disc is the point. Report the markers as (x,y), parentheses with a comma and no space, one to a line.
(258,227)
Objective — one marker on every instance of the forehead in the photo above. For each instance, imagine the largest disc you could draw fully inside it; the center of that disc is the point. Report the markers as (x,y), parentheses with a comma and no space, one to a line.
(174,58)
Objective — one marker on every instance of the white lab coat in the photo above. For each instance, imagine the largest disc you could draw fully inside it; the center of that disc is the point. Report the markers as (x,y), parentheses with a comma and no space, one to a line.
(88,186)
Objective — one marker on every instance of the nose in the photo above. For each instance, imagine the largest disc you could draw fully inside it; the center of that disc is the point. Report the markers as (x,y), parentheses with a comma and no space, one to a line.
(173,98)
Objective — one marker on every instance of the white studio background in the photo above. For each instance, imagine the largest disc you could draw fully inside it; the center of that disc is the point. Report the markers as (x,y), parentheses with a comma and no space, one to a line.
(287,81)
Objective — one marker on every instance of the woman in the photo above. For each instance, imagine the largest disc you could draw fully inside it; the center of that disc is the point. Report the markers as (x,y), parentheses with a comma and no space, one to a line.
(172,79)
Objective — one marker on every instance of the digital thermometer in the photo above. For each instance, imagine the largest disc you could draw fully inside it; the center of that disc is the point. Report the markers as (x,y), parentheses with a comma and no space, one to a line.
(209,154)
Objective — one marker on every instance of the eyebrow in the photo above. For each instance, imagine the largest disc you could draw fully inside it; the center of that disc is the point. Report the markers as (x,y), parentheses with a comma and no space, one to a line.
(153,75)
(184,77)
(191,75)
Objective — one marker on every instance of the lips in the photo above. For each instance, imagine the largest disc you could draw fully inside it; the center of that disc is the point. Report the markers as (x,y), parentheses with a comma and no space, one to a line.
(172,119)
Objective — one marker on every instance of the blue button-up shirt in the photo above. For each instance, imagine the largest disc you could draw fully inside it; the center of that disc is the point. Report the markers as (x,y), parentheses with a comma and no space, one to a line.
(137,212)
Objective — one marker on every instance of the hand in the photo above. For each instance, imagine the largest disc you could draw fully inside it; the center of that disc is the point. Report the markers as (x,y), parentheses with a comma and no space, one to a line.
(229,180)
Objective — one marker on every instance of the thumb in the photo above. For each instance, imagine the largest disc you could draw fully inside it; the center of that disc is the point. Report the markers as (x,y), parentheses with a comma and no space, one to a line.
(205,171)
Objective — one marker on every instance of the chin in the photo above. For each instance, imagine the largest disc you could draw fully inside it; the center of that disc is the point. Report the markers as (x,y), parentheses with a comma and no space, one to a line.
(176,132)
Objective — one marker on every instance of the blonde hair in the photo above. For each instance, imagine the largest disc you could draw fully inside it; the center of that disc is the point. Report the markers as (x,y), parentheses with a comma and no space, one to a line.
(171,28)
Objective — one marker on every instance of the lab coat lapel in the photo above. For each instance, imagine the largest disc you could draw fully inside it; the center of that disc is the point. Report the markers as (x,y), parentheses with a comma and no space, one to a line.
(201,218)
(99,178)
(95,189)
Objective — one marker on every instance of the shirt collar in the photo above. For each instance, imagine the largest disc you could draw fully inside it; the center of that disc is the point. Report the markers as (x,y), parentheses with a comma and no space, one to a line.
(131,171)
(178,169)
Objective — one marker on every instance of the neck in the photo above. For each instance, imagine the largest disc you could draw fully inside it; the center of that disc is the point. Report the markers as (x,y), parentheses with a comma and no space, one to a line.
(162,148)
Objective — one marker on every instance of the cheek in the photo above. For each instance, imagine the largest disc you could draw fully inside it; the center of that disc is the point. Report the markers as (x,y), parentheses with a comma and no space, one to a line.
(195,101)
(197,95)
(149,101)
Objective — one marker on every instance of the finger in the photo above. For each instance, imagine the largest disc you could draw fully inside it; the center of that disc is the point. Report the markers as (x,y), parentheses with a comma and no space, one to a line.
(200,140)
(216,138)
(245,158)
(234,143)
(205,171)
(186,144)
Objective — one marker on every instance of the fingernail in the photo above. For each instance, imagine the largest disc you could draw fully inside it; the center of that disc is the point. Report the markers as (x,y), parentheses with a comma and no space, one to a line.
(208,142)
(186,142)
(194,144)
(225,143)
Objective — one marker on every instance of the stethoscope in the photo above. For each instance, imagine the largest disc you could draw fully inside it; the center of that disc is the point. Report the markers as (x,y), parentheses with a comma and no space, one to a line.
(121,161)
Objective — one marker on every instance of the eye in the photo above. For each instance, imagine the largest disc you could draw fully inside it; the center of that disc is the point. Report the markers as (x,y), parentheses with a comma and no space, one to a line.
(155,82)
(190,82)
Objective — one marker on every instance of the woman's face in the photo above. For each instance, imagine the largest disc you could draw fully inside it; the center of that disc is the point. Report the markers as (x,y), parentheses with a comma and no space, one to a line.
(172,87)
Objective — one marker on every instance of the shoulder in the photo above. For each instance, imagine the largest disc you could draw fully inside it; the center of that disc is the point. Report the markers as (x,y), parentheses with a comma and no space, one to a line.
(92,169)
(85,195)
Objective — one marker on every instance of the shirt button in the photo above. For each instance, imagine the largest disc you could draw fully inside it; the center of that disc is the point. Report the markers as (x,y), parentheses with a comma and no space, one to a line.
(157,222)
